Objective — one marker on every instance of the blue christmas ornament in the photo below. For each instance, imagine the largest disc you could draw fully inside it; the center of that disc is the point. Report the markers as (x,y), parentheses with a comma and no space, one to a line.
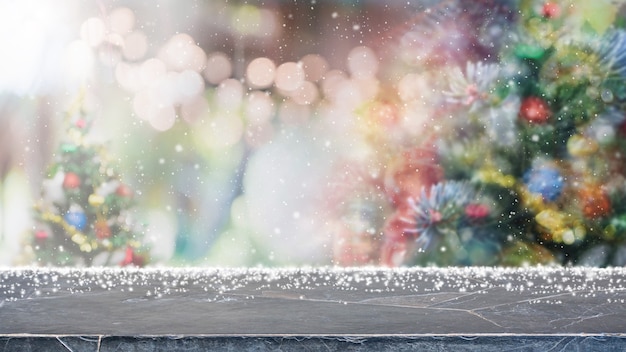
(544,180)
(612,51)
(76,218)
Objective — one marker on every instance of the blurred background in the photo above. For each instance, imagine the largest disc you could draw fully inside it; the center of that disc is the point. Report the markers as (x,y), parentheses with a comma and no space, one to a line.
(222,116)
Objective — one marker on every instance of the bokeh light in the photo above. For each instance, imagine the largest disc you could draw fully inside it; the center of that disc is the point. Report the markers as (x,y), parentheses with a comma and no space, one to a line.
(181,53)
(315,66)
(218,68)
(34,36)
(135,46)
(223,131)
(189,84)
(121,20)
(195,110)
(289,76)
(260,72)
(259,108)
(162,118)
(306,94)
(79,60)
(362,62)
(93,31)
(229,94)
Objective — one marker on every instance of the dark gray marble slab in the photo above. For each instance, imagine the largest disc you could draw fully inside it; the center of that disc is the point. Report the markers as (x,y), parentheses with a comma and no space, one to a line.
(311,309)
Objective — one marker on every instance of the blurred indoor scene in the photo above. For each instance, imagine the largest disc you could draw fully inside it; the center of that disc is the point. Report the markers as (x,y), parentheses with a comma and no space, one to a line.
(307,133)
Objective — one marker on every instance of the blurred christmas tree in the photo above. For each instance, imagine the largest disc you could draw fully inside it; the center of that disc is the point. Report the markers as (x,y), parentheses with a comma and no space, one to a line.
(84,216)
(523,152)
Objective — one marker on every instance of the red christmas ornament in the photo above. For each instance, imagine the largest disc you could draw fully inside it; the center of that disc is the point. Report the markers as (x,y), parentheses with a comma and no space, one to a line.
(41,235)
(595,203)
(477,211)
(71,181)
(102,229)
(132,259)
(123,191)
(551,10)
(80,123)
(535,110)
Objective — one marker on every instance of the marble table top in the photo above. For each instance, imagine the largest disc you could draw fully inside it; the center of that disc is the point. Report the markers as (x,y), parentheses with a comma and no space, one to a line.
(313,302)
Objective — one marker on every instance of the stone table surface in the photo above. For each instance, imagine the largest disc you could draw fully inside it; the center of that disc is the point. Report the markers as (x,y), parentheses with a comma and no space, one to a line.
(322,306)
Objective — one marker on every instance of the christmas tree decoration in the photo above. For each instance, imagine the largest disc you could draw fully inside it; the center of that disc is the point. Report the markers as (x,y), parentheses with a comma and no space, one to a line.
(438,210)
(123,191)
(102,229)
(545,181)
(476,211)
(84,215)
(41,236)
(535,110)
(132,259)
(76,218)
(525,158)
(580,146)
(71,181)
(551,10)
(595,202)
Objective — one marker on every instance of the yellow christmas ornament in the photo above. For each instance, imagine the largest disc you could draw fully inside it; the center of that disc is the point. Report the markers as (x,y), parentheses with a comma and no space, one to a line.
(562,227)
(580,146)
(532,201)
(491,175)
(551,220)
(95,200)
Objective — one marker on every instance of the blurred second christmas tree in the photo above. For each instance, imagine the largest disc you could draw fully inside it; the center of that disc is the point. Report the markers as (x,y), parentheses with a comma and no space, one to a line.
(84,216)
(510,144)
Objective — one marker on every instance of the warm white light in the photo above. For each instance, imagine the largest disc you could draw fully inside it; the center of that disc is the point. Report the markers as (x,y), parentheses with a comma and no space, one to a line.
(259,108)
(362,62)
(150,71)
(332,80)
(127,76)
(33,35)
(181,53)
(149,107)
(121,20)
(218,68)
(166,90)
(229,94)
(162,119)
(289,76)
(189,84)
(110,53)
(196,109)
(135,45)
(142,104)
(79,60)
(261,72)
(315,66)
(224,131)
(306,94)
(92,31)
